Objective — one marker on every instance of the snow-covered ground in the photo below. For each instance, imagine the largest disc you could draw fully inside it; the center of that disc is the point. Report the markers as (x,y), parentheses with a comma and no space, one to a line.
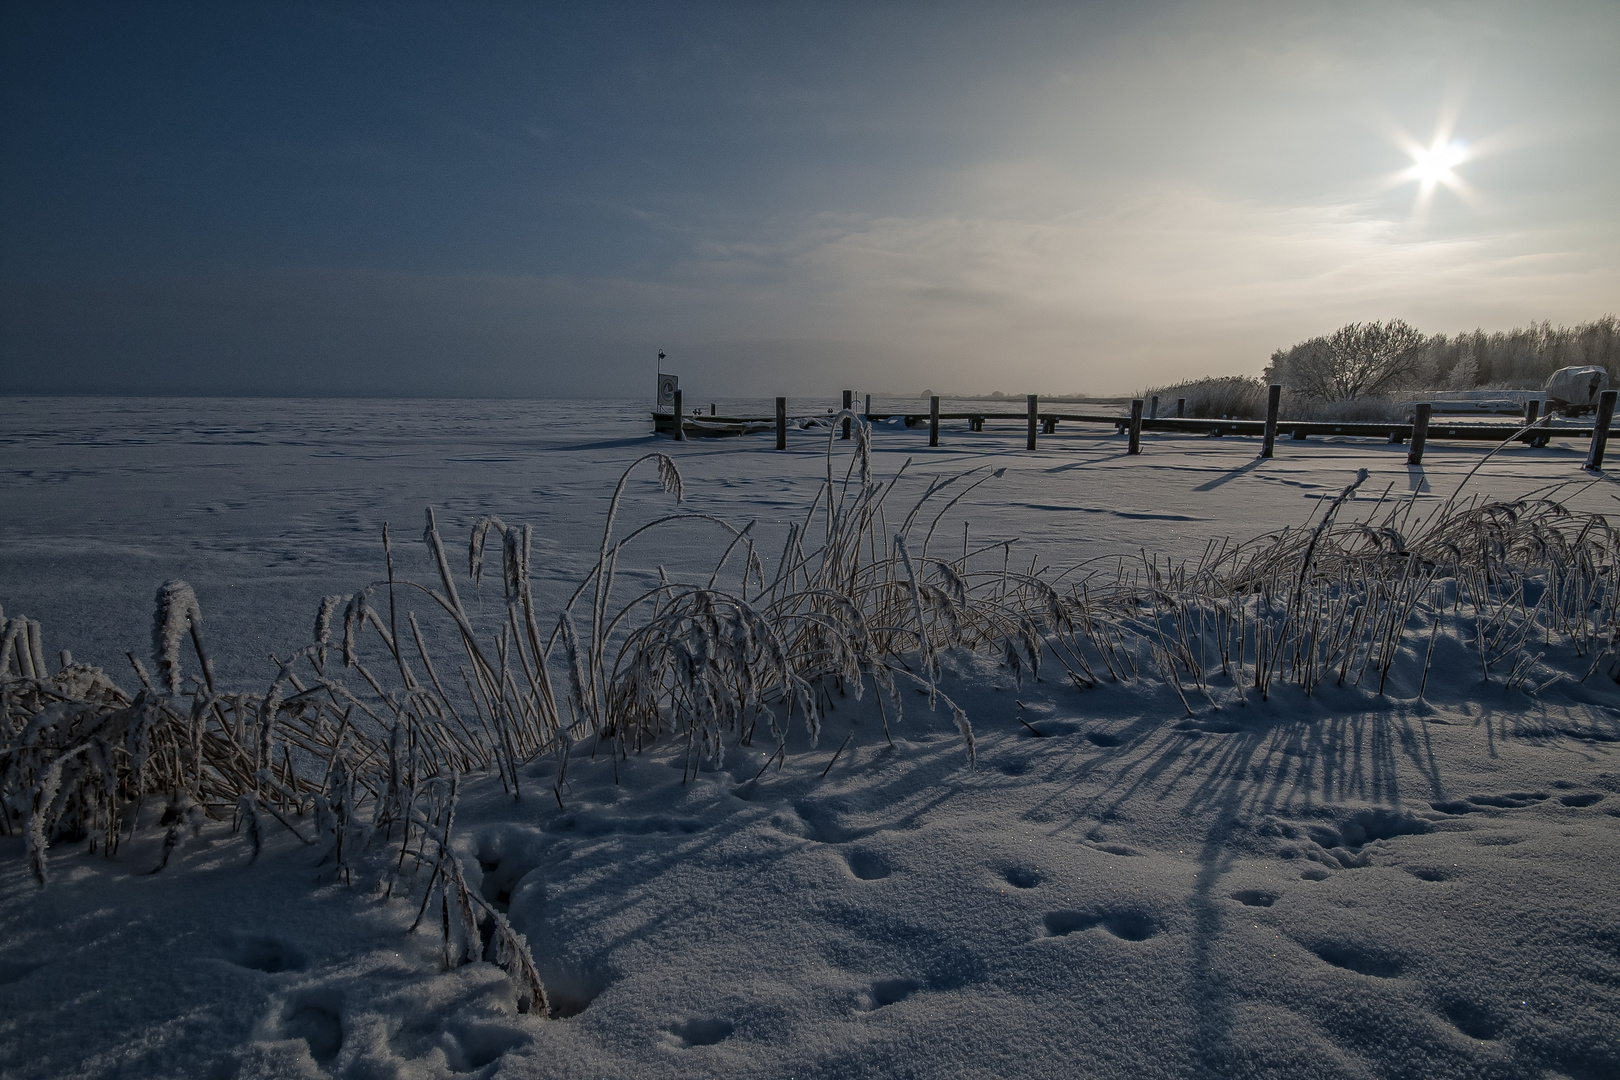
(1345,885)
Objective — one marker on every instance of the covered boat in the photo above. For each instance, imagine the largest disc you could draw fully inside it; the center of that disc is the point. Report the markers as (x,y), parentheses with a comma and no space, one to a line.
(1576,387)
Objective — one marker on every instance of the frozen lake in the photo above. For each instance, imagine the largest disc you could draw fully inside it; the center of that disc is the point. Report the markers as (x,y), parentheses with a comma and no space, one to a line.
(1129,880)
(265,505)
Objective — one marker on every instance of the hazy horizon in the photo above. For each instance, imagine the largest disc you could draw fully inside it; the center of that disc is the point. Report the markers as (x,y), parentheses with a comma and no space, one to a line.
(369,200)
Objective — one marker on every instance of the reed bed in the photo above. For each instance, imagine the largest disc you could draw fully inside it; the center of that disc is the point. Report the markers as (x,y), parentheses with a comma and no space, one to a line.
(1238,396)
(359,743)
(1530,586)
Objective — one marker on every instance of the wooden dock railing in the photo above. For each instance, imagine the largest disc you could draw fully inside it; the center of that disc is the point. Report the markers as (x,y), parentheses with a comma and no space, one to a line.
(1535,430)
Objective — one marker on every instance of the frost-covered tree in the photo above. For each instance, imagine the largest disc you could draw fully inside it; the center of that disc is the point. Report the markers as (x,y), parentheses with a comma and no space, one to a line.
(1464,374)
(1353,361)
(1525,356)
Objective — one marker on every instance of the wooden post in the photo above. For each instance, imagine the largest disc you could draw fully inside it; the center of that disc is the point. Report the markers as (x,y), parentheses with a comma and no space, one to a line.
(1032,404)
(868,413)
(933,421)
(1153,408)
(1181,407)
(1532,409)
(849,402)
(1600,430)
(1135,445)
(711,408)
(1420,433)
(680,418)
(781,423)
(1273,398)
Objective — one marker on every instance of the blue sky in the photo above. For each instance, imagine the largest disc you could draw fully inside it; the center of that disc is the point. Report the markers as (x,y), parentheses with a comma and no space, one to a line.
(495,199)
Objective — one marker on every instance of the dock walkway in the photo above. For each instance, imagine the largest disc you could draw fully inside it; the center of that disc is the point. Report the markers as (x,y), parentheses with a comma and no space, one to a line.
(1548,428)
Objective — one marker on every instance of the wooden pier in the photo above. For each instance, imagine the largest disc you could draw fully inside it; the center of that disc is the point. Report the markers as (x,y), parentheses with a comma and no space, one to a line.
(1534,430)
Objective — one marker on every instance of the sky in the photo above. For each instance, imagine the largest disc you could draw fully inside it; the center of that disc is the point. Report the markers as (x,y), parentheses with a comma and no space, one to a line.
(481,199)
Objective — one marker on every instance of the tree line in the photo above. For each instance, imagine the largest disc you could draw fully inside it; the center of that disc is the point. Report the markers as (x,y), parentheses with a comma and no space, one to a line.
(1364,359)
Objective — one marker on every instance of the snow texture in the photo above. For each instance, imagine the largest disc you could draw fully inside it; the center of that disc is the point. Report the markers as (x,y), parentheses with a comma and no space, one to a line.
(1340,884)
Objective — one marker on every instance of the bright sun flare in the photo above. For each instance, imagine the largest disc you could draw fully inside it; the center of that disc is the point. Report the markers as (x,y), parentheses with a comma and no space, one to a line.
(1434,165)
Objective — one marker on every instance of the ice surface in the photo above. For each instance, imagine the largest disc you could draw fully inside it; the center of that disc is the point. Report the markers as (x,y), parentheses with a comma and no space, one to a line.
(1342,885)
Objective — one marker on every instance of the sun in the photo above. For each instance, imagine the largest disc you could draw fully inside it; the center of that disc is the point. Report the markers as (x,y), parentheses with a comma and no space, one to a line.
(1433,165)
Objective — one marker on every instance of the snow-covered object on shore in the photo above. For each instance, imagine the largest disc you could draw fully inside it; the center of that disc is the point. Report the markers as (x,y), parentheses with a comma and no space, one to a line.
(1577,387)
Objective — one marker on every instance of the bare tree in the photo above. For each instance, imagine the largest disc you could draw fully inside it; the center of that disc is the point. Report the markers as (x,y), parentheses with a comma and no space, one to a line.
(1354,361)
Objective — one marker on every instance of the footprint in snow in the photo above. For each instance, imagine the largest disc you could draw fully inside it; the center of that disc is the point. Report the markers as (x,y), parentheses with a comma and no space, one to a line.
(890,992)
(867,865)
(1474,1021)
(1021,877)
(261,953)
(822,819)
(473,1044)
(1512,800)
(700,1031)
(1126,925)
(1366,826)
(571,989)
(1361,959)
(468,1043)
(318,1023)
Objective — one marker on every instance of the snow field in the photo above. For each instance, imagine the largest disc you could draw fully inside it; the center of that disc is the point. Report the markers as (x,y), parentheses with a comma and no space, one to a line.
(1339,884)
(1332,888)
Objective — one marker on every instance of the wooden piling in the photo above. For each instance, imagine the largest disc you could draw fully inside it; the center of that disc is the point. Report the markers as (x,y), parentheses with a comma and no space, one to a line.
(933,421)
(1532,409)
(1420,433)
(849,401)
(1181,407)
(680,418)
(868,412)
(1268,443)
(711,408)
(1032,404)
(1135,445)
(781,423)
(1600,430)
(1153,408)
